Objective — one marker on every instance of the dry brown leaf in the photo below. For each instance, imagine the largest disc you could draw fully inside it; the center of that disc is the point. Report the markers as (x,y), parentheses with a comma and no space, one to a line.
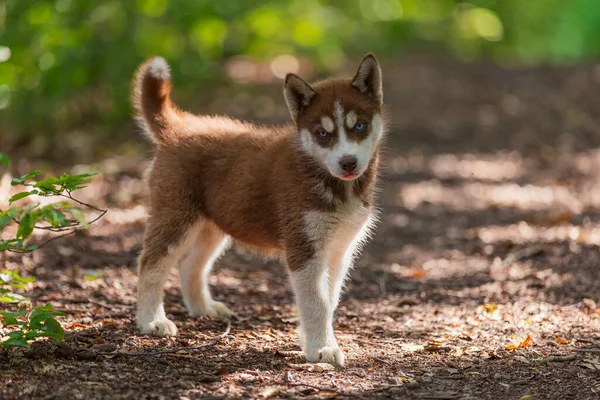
(98,340)
(562,341)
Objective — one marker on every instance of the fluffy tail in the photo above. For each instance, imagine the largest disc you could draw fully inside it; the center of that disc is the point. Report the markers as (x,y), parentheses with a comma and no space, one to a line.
(154,111)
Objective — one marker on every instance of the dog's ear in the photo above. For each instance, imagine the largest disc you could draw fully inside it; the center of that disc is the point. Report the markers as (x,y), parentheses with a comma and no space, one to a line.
(298,94)
(368,78)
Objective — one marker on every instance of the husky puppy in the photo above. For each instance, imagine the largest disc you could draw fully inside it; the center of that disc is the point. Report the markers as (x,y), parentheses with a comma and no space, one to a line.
(302,192)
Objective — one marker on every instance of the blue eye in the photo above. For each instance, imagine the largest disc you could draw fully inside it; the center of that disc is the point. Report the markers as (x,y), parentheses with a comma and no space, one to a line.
(359,127)
(323,134)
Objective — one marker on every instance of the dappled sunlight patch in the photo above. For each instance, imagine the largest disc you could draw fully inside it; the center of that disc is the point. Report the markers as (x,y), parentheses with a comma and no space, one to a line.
(496,167)
(523,232)
(480,196)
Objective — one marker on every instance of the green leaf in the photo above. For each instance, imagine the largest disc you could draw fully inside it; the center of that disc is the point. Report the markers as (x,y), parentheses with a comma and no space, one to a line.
(18,285)
(21,195)
(9,297)
(4,160)
(24,178)
(56,218)
(13,314)
(48,308)
(15,342)
(53,326)
(26,225)
(8,321)
(15,275)
(15,244)
(6,217)
(78,215)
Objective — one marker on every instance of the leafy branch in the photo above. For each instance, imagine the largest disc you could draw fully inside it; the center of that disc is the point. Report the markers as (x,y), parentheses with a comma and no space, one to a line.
(59,217)
(56,217)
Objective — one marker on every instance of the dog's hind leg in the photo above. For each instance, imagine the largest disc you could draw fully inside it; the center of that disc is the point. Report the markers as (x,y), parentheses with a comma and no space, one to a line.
(194,271)
(165,242)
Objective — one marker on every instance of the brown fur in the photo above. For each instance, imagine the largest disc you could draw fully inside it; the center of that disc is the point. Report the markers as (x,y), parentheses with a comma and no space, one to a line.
(250,180)
(269,188)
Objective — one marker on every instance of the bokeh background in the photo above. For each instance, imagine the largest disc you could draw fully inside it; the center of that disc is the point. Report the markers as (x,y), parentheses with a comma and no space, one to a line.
(65,65)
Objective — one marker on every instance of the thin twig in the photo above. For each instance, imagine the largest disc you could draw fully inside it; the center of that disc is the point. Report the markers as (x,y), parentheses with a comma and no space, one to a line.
(173,350)
(556,358)
(587,350)
(81,202)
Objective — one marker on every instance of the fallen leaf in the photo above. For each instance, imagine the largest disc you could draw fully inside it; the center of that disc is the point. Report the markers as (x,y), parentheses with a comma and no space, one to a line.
(318,367)
(589,303)
(326,394)
(490,307)
(526,397)
(526,342)
(270,392)
(562,341)
(417,274)
(98,340)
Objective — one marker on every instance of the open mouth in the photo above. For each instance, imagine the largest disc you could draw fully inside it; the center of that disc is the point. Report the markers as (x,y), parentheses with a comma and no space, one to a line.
(349,177)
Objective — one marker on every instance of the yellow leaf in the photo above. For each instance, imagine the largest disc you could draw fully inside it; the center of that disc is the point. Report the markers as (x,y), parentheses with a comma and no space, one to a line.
(490,307)
(562,341)
(526,342)
(512,347)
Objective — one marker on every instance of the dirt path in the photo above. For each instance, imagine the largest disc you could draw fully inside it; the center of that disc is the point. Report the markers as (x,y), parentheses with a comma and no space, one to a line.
(482,281)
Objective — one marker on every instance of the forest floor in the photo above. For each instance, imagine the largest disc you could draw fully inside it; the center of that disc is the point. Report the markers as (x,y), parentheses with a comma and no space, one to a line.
(482,281)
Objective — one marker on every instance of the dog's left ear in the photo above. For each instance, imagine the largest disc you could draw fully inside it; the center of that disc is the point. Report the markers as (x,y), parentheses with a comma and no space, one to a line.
(368,78)
(298,94)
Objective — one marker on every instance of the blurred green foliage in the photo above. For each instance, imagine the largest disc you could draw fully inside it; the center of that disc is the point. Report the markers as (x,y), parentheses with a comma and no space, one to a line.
(66,64)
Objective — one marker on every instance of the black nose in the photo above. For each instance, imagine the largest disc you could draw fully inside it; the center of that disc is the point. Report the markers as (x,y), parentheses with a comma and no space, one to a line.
(348,163)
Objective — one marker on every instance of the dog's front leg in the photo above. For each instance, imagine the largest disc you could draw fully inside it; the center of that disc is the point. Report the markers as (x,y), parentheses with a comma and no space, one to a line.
(311,285)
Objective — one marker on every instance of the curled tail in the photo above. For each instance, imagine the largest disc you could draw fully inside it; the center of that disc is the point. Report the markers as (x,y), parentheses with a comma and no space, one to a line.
(154,111)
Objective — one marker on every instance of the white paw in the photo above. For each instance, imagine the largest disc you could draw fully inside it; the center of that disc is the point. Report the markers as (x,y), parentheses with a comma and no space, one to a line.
(327,354)
(158,327)
(214,309)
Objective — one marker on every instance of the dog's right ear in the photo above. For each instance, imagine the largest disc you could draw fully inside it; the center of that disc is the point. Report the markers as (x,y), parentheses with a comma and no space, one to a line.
(297,93)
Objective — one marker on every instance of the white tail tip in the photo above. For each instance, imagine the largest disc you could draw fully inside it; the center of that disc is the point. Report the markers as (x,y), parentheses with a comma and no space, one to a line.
(159,69)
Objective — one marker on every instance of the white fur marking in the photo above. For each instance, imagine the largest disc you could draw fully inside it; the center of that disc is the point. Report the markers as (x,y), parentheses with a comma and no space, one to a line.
(150,315)
(363,150)
(351,119)
(327,124)
(159,69)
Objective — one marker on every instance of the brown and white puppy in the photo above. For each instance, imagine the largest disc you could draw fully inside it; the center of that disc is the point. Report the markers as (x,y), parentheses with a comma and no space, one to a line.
(302,192)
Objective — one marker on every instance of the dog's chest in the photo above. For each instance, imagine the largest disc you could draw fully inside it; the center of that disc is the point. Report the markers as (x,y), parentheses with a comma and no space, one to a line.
(332,229)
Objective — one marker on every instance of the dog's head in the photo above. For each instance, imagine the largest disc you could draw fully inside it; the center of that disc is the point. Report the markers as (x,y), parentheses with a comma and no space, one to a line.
(339,121)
